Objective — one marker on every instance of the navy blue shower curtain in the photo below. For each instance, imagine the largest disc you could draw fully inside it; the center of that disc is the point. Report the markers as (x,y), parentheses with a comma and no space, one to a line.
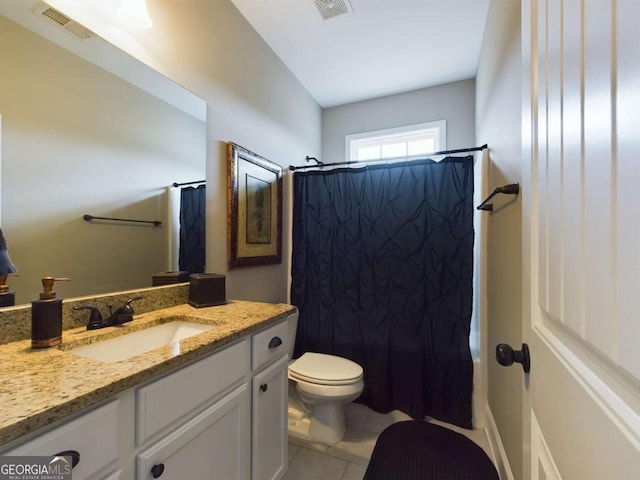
(382,274)
(192,229)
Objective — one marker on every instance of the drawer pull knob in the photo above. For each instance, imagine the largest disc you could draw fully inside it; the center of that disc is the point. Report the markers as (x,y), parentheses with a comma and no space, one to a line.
(264,387)
(75,456)
(157,470)
(275,342)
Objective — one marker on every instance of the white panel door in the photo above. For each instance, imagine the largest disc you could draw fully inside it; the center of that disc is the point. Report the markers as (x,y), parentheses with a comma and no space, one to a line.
(581,192)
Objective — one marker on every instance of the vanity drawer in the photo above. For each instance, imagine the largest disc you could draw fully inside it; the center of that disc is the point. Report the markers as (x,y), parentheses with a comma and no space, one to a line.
(168,399)
(269,345)
(94,435)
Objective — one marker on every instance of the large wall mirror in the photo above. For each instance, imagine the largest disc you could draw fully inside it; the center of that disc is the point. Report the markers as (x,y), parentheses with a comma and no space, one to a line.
(78,139)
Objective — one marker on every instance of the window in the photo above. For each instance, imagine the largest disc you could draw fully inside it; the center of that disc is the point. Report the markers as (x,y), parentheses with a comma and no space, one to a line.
(411,141)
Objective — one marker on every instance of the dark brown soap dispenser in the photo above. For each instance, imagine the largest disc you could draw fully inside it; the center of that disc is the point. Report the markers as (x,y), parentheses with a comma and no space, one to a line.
(46,316)
(7,297)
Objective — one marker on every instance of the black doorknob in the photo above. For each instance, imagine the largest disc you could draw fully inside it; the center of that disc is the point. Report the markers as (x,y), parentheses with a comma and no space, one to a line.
(506,356)
(157,470)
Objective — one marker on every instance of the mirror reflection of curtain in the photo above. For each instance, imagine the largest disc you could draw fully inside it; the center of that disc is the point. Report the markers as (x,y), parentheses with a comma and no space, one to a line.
(6,265)
(382,273)
(192,229)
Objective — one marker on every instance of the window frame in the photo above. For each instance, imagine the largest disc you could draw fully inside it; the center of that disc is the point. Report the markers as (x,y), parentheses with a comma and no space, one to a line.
(388,135)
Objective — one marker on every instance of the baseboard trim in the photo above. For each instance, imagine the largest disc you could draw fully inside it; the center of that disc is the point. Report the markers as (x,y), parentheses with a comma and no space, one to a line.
(497,449)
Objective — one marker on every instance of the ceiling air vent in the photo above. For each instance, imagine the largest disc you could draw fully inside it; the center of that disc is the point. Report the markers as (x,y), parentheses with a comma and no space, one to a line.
(63,21)
(332,8)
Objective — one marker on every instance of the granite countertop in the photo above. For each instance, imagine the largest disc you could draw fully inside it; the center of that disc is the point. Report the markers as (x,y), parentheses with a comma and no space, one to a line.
(42,386)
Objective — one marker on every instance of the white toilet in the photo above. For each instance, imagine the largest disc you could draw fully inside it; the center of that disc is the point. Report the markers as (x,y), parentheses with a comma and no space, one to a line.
(320,386)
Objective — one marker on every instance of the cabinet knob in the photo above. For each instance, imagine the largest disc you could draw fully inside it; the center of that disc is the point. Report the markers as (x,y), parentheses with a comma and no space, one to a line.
(275,342)
(157,470)
(263,387)
(75,456)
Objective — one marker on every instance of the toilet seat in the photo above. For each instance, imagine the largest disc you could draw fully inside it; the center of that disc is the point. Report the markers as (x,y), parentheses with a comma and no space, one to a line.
(322,369)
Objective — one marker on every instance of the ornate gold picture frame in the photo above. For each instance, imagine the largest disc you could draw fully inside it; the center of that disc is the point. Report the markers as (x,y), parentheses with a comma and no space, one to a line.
(254,209)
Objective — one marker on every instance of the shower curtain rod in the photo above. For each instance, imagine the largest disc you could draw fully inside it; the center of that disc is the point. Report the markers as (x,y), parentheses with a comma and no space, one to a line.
(441,152)
(176,184)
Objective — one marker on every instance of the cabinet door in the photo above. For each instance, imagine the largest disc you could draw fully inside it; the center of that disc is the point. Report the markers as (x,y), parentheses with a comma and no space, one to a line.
(269,442)
(212,445)
(93,434)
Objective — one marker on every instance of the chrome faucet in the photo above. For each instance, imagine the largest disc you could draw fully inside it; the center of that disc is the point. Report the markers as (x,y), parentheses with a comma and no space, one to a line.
(123,314)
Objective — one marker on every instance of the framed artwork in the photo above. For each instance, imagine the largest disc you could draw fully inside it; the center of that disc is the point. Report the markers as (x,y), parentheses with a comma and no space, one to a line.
(254,209)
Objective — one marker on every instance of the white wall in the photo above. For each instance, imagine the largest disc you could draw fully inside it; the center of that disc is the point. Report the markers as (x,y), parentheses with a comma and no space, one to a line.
(78,140)
(453,102)
(253,100)
(498,125)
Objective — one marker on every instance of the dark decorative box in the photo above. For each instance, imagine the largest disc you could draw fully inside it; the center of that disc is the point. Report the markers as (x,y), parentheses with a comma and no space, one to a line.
(206,290)
(169,278)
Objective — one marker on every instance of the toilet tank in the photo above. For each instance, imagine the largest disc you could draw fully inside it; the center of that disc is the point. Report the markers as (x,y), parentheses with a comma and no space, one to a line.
(292,327)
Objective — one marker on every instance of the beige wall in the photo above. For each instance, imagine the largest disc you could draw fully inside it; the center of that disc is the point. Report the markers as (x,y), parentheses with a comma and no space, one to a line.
(498,124)
(453,102)
(253,100)
(78,140)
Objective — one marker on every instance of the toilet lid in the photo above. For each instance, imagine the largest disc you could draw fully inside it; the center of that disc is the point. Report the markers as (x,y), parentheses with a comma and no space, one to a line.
(325,369)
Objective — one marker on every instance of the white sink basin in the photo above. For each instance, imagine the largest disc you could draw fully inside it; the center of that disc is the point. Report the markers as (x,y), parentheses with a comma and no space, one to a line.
(136,343)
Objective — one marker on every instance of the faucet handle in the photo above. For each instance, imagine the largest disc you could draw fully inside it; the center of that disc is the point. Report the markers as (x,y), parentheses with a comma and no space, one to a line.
(125,312)
(133,299)
(95,317)
(127,305)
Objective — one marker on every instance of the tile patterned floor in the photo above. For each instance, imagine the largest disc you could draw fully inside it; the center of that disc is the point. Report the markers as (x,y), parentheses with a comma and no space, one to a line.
(348,459)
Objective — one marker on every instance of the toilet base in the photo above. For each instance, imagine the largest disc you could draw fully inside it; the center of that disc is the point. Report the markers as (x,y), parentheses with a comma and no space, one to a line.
(325,425)
(299,429)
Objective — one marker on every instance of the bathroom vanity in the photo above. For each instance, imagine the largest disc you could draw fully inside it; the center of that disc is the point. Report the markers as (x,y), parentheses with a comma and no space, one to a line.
(212,405)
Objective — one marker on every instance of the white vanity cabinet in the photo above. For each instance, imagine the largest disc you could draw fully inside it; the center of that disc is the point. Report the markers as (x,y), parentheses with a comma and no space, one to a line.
(239,436)
(224,416)
(269,403)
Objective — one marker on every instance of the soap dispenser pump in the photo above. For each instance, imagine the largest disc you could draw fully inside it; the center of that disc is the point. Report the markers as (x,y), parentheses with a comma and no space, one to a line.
(46,316)
(7,297)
